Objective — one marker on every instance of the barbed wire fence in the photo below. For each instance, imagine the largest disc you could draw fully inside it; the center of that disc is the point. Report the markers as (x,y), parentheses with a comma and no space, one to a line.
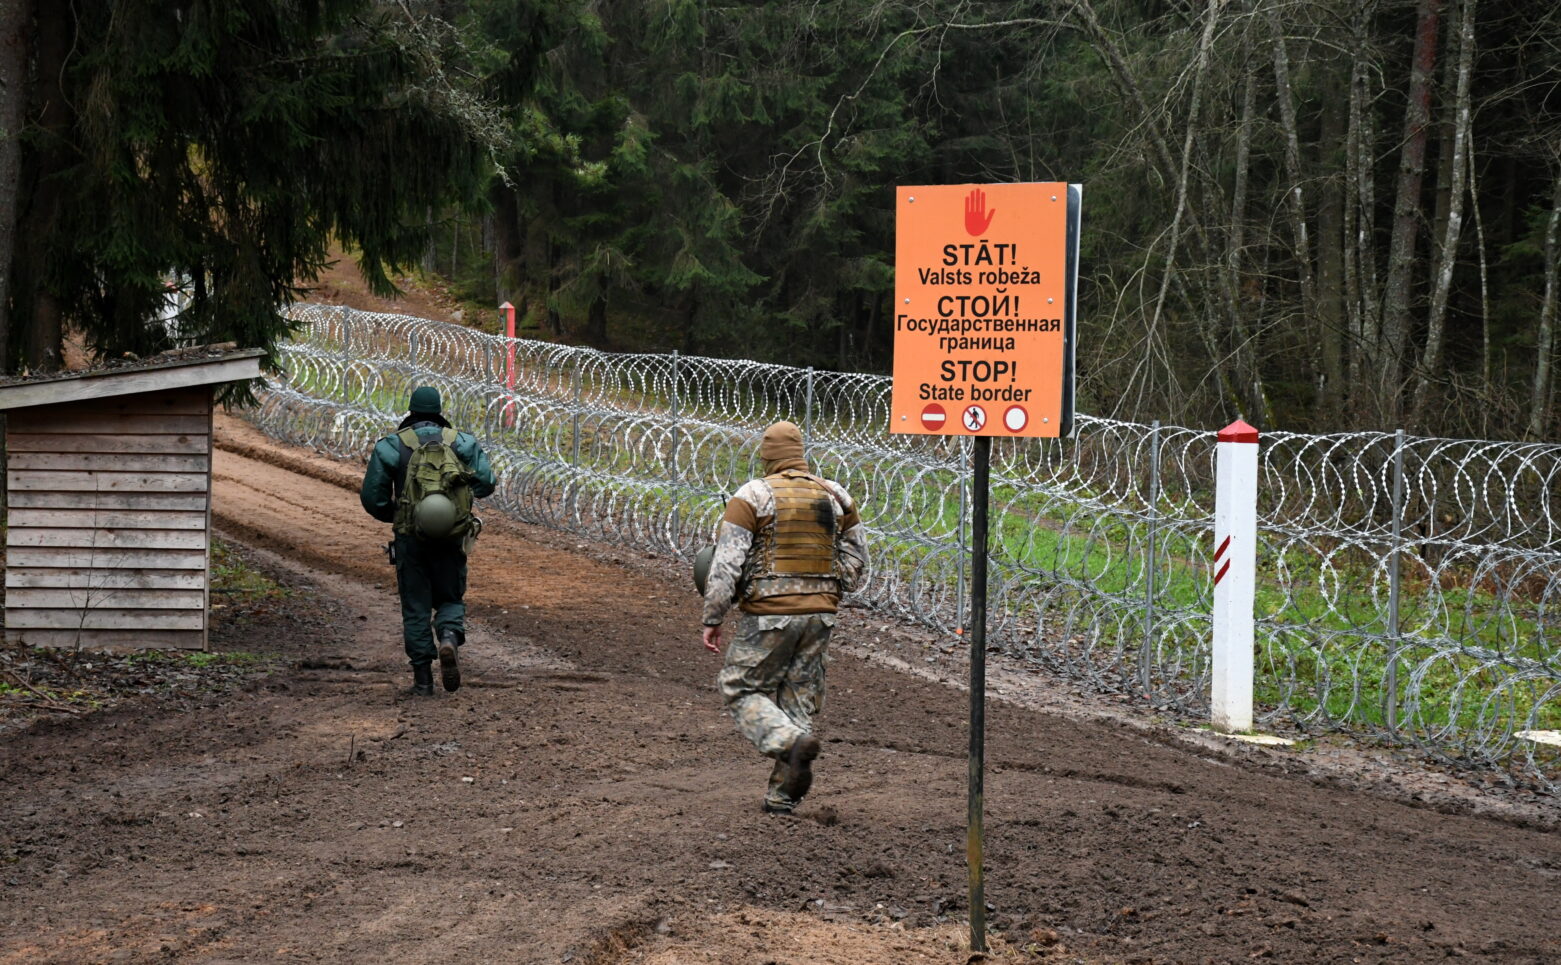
(1407,587)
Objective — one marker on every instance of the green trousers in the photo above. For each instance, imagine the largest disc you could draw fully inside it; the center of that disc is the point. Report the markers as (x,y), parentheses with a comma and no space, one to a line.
(431,578)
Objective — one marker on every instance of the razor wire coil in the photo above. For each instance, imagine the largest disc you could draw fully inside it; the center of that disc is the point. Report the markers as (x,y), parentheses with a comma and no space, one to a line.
(1100,544)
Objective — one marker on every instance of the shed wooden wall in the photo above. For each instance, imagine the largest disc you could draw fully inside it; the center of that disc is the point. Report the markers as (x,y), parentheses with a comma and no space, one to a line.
(108,543)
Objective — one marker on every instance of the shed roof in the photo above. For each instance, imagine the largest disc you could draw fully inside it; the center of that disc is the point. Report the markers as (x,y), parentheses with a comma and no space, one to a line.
(174,370)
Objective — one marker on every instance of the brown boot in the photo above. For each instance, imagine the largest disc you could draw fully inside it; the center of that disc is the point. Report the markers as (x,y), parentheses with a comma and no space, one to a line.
(799,759)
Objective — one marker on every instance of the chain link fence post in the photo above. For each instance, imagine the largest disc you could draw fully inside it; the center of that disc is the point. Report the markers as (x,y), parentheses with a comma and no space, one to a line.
(1390,685)
(1146,650)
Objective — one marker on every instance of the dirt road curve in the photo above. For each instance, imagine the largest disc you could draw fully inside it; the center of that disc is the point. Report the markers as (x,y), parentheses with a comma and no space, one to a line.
(583,800)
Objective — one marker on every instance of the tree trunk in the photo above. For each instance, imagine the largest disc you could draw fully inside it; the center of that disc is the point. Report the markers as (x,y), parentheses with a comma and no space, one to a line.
(1331,323)
(1406,212)
(1485,290)
(1360,264)
(1447,259)
(1246,353)
(1181,174)
(691,322)
(1539,405)
(1446,120)
(1354,293)
(596,316)
(555,322)
(1299,234)
(508,243)
(42,340)
(15,52)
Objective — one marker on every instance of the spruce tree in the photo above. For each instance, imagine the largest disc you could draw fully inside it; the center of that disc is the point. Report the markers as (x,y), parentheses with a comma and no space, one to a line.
(225,147)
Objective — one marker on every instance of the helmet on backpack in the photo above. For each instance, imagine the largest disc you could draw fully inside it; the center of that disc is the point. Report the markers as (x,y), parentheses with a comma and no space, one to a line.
(702,561)
(434,516)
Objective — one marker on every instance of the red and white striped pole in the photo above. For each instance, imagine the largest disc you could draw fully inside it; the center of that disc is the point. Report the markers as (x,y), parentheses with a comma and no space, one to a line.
(1235,576)
(508,311)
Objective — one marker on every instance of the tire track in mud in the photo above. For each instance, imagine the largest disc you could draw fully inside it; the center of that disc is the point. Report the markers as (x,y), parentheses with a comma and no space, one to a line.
(585,790)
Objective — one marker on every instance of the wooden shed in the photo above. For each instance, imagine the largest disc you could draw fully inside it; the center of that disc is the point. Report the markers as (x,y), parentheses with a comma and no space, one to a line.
(108,488)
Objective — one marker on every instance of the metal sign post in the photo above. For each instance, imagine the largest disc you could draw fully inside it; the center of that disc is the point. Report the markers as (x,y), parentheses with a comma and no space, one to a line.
(984,292)
(975,832)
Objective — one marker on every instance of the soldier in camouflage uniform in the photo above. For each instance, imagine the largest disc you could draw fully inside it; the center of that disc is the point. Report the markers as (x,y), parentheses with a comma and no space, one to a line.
(789,545)
(430,575)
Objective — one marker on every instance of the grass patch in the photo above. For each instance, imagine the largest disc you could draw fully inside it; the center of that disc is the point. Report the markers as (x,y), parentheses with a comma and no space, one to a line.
(233,581)
(201,659)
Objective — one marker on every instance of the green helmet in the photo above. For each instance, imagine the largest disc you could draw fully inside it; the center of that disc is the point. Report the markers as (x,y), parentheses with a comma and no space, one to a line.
(702,561)
(434,516)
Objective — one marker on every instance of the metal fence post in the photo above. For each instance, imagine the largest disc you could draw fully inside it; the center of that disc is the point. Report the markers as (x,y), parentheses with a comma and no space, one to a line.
(572,510)
(807,412)
(574,428)
(1146,650)
(1390,698)
(677,441)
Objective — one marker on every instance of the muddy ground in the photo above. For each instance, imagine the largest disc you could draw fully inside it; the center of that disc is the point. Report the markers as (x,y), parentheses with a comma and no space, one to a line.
(583,800)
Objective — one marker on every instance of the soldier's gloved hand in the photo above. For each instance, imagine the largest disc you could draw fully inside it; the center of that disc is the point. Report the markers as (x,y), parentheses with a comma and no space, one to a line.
(712,637)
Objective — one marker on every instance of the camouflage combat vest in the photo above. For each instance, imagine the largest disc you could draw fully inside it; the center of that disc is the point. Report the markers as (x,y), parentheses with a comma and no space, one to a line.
(796,550)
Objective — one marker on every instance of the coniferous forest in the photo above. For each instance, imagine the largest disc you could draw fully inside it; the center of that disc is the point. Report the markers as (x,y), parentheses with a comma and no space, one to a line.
(1315,214)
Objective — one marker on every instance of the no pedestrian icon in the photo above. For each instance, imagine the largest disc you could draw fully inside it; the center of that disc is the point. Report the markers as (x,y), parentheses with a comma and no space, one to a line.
(974,418)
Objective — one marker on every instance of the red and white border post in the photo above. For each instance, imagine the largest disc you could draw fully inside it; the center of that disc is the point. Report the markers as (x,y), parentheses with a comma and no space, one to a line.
(1235,576)
(508,311)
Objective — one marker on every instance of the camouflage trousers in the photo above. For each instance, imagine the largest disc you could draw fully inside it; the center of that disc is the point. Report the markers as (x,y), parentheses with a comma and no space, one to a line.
(773,683)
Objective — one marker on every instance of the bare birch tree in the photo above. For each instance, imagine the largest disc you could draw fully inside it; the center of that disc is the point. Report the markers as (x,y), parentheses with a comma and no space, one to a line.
(1447,257)
(1539,404)
(1406,209)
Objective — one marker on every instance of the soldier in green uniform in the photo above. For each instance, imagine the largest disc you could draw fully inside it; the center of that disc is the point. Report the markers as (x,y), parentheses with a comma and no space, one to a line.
(422,479)
(790,544)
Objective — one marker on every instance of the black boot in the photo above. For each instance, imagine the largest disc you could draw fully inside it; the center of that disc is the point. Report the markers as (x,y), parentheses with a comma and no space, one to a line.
(422,680)
(449,667)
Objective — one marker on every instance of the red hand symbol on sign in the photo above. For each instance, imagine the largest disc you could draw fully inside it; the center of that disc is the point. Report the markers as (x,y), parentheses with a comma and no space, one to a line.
(977,217)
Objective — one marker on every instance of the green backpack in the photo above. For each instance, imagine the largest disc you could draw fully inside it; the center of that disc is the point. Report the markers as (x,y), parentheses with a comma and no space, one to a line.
(436,495)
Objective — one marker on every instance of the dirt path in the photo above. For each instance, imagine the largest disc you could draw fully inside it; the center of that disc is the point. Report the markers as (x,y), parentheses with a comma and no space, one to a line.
(583,800)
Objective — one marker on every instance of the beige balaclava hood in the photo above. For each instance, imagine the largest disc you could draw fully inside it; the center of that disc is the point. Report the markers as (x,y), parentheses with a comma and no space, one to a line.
(781,449)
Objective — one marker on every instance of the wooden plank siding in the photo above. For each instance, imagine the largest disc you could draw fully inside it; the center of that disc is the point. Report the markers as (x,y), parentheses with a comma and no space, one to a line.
(107,544)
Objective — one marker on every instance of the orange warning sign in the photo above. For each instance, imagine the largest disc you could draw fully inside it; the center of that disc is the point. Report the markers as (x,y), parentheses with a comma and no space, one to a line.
(983,298)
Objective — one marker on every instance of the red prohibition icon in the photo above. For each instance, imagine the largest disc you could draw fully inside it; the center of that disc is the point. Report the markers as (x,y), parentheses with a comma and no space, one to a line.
(974,418)
(1015,419)
(933,417)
